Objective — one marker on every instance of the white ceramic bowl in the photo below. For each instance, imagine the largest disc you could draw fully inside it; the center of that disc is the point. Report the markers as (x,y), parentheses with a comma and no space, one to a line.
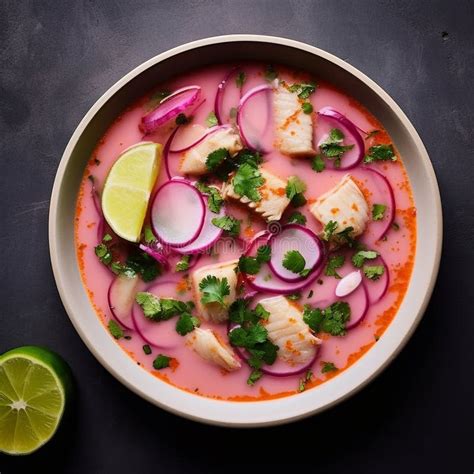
(179,60)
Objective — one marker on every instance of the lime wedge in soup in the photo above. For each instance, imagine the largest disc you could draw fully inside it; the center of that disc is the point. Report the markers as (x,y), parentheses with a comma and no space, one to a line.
(128,187)
(34,386)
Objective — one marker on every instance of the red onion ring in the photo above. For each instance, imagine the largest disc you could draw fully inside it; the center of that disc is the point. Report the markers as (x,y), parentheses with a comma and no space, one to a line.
(208,132)
(114,293)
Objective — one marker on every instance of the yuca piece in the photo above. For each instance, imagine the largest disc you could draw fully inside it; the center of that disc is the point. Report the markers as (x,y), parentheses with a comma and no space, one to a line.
(205,343)
(288,331)
(193,161)
(214,311)
(273,202)
(344,204)
(293,128)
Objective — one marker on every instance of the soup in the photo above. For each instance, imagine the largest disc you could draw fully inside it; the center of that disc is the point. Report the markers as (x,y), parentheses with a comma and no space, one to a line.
(245,232)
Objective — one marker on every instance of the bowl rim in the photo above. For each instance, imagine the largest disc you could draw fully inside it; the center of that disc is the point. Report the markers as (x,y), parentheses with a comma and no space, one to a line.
(258,413)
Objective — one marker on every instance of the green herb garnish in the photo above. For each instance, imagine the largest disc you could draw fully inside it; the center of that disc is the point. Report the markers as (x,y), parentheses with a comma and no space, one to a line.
(146,349)
(374,272)
(246,182)
(361,256)
(318,164)
(307,107)
(297,218)
(328,367)
(161,362)
(378,211)
(214,290)
(303,90)
(211,119)
(380,153)
(216,158)
(183,264)
(302,383)
(186,323)
(115,329)
(228,223)
(334,262)
(332,319)
(295,188)
(270,73)
(333,148)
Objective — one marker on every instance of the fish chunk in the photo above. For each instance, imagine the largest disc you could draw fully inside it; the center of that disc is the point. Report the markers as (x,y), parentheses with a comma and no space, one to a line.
(273,202)
(205,343)
(288,331)
(344,204)
(293,128)
(193,161)
(214,311)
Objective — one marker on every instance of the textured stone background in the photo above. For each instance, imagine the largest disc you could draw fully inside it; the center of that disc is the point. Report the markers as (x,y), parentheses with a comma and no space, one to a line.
(58,57)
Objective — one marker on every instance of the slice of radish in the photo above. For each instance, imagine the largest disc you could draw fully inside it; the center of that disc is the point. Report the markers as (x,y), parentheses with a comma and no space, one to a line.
(381,192)
(207,237)
(156,252)
(349,283)
(121,297)
(227,96)
(331,118)
(177,213)
(160,334)
(299,238)
(358,301)
(209,131)
(254,129)
(377,288)
(170,107)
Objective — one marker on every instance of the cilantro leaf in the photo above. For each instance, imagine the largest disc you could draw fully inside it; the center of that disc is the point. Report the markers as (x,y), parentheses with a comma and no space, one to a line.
(378,211)
(318,164)
(302,383)
(115,329)
(294,261)
(332,147)
(103,253)
(214,290)
(150,305)
(215,200)
(161,362)
(313,317)
(246,182)
(329,230)
(254,376)
(186,323)
(264,253)
(228,223)
(216,158)
(253,158)
(345,236)
(335,318)
(303,90)
(211,119)
(297,218)
(359,257)
(270,73)
(261,312)
(107,238)
(374,272)
(334,262)
(148,235)
(295,188)
(307,107)
(143,264)
(146,349)
(380,153)
(240,79)
(328,367)
(248,265)
(183,264)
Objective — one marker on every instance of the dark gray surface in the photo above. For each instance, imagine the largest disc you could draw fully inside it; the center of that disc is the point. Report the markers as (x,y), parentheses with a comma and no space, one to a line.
(57,58)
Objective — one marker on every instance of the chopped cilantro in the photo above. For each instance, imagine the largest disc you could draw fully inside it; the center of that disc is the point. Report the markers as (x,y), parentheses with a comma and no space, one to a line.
(183,264)
(374,272)
(264,253)
(181,119)
(214,197)
(332,148)
(345,236)
(104,254)
(147,349)
(294,261)
(361,256)
(307,107)
(143,264)
(329,230)
(380,153)
(302,383)
(334,262)
(303,90)
(246,182)
(332,319)
(294,297)
(270,73)
(295,188)
(160,309)
(328,367)
(120,269)
(161,362)
(186,323)
(378,211)
(254,376)
(253,158)
(216,158)
(228,223)
(107,238)
(240,79)
(318,164)
(214,290)
(297,218)
(211,119)
(248,265)
(115,329)
(148,235)
(261,312)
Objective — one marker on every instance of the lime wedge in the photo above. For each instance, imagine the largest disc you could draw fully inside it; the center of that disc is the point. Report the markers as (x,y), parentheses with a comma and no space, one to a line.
(128,187)
(34,385)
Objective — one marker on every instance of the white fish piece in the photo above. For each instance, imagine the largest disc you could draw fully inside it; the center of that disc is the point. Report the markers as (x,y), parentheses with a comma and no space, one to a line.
(293,128)
(344,204)
(273,202)
(348,283)
(214,311)
(288,331)
(193,161)
(206,344)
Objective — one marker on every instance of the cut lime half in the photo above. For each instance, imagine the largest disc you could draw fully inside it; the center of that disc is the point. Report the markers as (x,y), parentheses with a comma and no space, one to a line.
(34,386)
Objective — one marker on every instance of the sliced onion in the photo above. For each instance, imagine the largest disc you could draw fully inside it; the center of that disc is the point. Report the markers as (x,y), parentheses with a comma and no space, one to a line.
(279,368)
(377,288)
(294,237)
(177,213)
(170,107)
(121,297)
(358,300)
(160,334)
(350,158)
(207,132)
(156,251)
(381,193)
(220,93)
(207,237)
(250,141)
(266,280)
